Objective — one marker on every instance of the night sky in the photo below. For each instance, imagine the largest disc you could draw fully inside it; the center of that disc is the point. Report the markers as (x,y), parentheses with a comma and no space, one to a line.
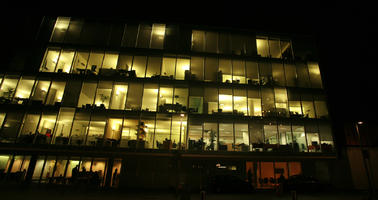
(345,34)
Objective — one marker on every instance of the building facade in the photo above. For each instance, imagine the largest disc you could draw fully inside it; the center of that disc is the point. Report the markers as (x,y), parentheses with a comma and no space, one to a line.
(154,104)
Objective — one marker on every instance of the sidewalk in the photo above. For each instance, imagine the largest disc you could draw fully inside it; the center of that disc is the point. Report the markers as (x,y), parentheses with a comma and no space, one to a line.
(46,194)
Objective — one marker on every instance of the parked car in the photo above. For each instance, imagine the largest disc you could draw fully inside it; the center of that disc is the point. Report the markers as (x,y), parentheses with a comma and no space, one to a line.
(303,183)
(229,184)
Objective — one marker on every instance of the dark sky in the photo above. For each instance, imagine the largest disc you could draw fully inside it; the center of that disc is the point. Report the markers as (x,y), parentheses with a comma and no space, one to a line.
(346,36)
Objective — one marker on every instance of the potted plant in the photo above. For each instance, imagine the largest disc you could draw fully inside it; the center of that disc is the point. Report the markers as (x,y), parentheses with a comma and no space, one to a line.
(212,135)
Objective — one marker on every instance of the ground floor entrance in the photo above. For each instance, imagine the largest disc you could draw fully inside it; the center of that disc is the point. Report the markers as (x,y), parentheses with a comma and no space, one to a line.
(153,171)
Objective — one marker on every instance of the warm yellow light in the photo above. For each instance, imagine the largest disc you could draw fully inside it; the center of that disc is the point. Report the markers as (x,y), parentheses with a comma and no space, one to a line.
(257,109)
(223,97)
(185,67)
(62,24)
(227,108)
(236,98)
(55,59)
(44,89)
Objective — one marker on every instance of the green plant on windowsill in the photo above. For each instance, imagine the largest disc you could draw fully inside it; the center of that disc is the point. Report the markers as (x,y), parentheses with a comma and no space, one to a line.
(103,98)
(212,135)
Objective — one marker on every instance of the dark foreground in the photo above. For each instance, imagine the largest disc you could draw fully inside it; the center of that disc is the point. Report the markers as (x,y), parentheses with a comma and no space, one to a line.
(38,193)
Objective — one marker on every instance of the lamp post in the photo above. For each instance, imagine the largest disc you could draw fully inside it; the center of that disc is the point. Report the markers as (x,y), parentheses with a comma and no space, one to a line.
(181,117)
(365,157)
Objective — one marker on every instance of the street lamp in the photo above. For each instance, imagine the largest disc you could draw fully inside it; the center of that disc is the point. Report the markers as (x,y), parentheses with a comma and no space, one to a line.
(181,117)
(364,157)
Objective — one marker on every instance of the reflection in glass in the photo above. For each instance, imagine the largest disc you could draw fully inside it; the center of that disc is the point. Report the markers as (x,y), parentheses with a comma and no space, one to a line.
(211,100)
(87,94)
(238,70)
(195,140)
(56,92)
(60,28)
(178,135)
(240,101)
(46,126)
(210,136)
(284,135)
(326,137)
(225,70)
(165,99)
(139,65)
(308,106)
(314,72)
(150,94)
(291,75)
(211,69)
(256,135)
(80,62)
(110,61)
(181,97)
(163,138)
(183,65)
(50,60)
(130,35)
(40,91)
(312,137)
(262,47)
(65,61)
(79,128)
(60,168)
(278,74)
(153,66)
(104,90)
(2,117)
(157,36)
(196,67)
(134,96)
(95,62)
(48,169)
(168,68)
(211,42)
(299,138)
(113,129)
(274,47)
(320,106)
(286,50)
(268,102)
(29,126)
(149,129)
(63,125)
(241,137)
(270,134)
(11,127)
(24,89)
(196,100)
(38,169)
(129,131)
(281,100)
(295,107)
(198,40)
(254,102)
(225,100)
(124,62)
(8,88)
(302,74)
(144,36)
(96,130)
(226,137)
(118,99)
